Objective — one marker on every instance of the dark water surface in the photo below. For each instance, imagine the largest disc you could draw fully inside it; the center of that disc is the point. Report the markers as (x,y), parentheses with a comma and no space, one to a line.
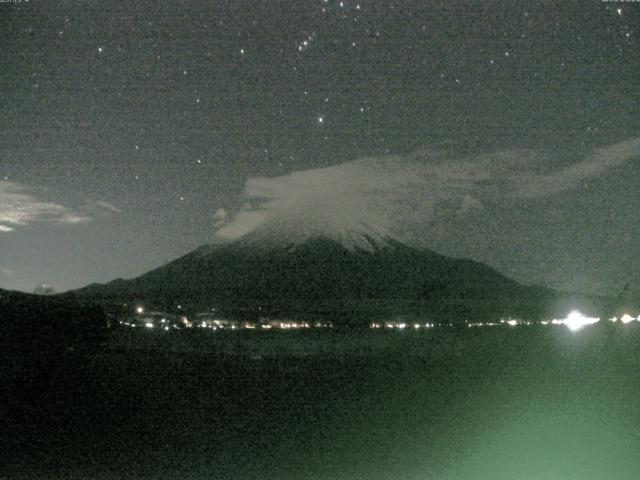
(493,403)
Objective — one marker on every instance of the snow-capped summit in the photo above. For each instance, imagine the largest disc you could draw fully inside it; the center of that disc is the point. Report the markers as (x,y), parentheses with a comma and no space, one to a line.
(361,237)
(353,274)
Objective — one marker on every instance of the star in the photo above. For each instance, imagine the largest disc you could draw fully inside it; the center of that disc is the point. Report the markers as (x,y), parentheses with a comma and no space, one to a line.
(321,119)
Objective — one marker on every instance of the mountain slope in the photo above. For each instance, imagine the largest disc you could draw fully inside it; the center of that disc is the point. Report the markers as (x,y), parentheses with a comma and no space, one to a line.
(320,275)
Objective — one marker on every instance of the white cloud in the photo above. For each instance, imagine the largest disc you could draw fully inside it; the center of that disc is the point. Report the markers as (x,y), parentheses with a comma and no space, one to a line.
(244,222)
(20,207)
(105,206)
(219,217)
(596,163)
(468,204)
(220,214)
(382,194)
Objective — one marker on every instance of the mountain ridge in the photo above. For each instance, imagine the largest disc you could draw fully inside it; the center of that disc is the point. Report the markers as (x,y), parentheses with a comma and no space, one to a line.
(321,275)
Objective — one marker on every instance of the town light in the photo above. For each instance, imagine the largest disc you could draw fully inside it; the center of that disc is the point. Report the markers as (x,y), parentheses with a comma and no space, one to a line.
(576,320)
(626,318)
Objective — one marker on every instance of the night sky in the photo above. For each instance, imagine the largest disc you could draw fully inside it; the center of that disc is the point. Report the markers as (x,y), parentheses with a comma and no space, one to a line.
(133,131)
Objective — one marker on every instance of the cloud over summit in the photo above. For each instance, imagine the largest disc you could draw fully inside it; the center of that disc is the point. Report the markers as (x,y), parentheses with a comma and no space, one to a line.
(385,194)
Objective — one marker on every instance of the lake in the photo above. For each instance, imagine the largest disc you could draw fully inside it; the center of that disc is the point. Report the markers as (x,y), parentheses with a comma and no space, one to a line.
(528,402)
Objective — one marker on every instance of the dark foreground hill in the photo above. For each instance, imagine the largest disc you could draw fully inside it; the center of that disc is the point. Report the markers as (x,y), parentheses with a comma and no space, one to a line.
(39,329)
(324,277)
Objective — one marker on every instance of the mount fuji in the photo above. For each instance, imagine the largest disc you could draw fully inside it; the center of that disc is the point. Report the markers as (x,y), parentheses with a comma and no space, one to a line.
(356,274)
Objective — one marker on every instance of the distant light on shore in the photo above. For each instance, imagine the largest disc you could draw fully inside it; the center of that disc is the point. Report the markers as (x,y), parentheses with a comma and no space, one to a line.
(144,317)
(576,320)
(626,318)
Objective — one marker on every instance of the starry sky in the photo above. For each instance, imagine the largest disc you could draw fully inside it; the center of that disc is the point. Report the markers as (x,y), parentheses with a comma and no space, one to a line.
(132,132)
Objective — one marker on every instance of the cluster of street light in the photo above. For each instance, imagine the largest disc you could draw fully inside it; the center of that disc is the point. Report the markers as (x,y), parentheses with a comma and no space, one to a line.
(165,321)
(574,321)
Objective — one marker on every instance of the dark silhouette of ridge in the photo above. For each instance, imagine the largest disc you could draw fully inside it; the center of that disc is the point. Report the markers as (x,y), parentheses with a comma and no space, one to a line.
(322,276)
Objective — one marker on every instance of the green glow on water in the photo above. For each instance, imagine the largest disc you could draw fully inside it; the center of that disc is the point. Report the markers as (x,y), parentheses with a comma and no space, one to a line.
(486,404)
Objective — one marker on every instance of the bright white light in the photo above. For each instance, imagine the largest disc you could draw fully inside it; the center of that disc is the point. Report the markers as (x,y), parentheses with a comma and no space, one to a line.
(576,320)
(148,325)
(626,318)
(140,310)
(512,323)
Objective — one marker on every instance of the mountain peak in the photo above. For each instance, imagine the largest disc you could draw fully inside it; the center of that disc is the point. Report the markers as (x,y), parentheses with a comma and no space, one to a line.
(345,272)
(360,238)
